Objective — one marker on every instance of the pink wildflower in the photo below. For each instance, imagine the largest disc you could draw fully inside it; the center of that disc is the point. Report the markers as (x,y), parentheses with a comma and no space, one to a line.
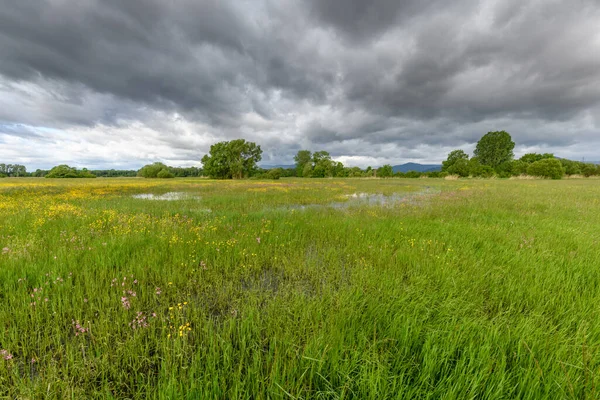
(125,303)
(5,354)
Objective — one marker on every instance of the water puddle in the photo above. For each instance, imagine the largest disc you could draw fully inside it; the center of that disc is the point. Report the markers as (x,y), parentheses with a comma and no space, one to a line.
(371,200)
(169,196)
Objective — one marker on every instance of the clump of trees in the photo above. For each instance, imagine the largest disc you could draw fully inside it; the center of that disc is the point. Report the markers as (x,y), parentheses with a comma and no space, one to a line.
(547,168)
(160,170)
(493,156)
(235,159)
(64,171)
(156,170)
(15,170)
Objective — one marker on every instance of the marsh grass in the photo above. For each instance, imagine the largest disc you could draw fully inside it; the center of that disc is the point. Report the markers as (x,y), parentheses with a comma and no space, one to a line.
(478,289)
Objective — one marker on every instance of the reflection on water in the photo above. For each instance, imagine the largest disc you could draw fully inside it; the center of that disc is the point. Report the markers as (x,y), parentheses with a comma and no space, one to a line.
(169,196)
(371,199)
(172,196)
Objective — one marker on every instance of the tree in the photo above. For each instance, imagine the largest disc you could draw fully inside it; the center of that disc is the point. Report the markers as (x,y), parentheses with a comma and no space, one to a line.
(165,174)
(64,171)
(274,173)
(234,159)
(547,168)
(302,158)
(495,148)
(15,170)
(152,170)
(385,171)
(460,168)
(453,157)
(476,169)
(530,158)
(322,164)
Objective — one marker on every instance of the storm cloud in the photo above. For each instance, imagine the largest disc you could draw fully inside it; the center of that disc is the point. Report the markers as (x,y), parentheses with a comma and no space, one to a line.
(110,83)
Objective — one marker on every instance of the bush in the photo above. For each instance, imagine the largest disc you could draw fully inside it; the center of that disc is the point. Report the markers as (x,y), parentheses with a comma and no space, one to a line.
(151,170)
(64,171)
(547,168)
(165,174)
(2,175)
(274,173)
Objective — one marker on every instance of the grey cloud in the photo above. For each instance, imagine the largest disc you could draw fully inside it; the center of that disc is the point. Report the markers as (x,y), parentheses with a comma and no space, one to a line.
(354,77)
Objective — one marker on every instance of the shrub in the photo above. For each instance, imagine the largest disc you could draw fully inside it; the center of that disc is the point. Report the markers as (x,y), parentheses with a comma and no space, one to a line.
(547,168)
(274,173)
(165,174)
(64,171)
(152,170)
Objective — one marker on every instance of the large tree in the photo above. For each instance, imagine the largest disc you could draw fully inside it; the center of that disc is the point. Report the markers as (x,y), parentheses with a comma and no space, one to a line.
(453,157)
(495,148)
(302,158)
(234,159)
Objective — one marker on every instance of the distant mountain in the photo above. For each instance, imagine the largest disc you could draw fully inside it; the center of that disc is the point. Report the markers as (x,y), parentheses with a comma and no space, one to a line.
(417,167)
(277,166)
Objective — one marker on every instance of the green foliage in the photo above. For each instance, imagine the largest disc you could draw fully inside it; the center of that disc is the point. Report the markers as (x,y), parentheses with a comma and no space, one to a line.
(459,167)
(234,159)
(454,157)
(518,167)
(152,170)
(64,171)
(547,168)
(3,175)
(530,158)
(385,171)
(476,169)
(307,170)
(590,170)
(413,174)
(354,172)
(275,173)
(302,158)
(571,167)
(14,170)
(495,148)
(165,174)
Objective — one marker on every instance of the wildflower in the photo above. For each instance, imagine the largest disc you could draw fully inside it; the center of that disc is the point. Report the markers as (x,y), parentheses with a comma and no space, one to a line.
(78,328)
(158,291)
(5,250)
(140,321)
(125,303)
(258,240)
(5,354)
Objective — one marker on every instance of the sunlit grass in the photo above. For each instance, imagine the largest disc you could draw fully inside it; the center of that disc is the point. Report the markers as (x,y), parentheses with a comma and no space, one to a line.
(468,289)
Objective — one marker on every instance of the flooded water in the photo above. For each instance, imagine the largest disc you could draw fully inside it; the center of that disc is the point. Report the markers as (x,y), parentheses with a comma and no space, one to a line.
(169,196)
(371,199)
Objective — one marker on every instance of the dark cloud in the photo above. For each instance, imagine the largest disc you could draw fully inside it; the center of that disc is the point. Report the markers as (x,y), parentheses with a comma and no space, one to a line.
(357,77)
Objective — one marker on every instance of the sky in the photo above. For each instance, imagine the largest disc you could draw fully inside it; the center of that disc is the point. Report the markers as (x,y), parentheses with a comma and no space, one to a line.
(119,84)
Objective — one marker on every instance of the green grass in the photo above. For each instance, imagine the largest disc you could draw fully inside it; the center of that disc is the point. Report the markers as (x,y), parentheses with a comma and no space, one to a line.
(474,289)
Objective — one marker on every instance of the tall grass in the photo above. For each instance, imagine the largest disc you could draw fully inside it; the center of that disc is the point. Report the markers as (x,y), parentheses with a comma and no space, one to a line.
(469,289)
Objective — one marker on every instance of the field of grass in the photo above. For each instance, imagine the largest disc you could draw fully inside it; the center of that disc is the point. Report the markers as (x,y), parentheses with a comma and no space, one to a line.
(298,289)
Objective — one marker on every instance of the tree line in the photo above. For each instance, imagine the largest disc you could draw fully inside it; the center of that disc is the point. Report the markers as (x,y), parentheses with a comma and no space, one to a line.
(493,156)
(238,159)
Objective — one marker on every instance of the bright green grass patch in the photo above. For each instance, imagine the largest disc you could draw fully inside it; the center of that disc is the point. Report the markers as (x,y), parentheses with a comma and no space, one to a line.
(468,289)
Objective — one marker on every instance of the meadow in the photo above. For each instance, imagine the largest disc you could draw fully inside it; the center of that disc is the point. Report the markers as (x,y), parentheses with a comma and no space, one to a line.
(299,289)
